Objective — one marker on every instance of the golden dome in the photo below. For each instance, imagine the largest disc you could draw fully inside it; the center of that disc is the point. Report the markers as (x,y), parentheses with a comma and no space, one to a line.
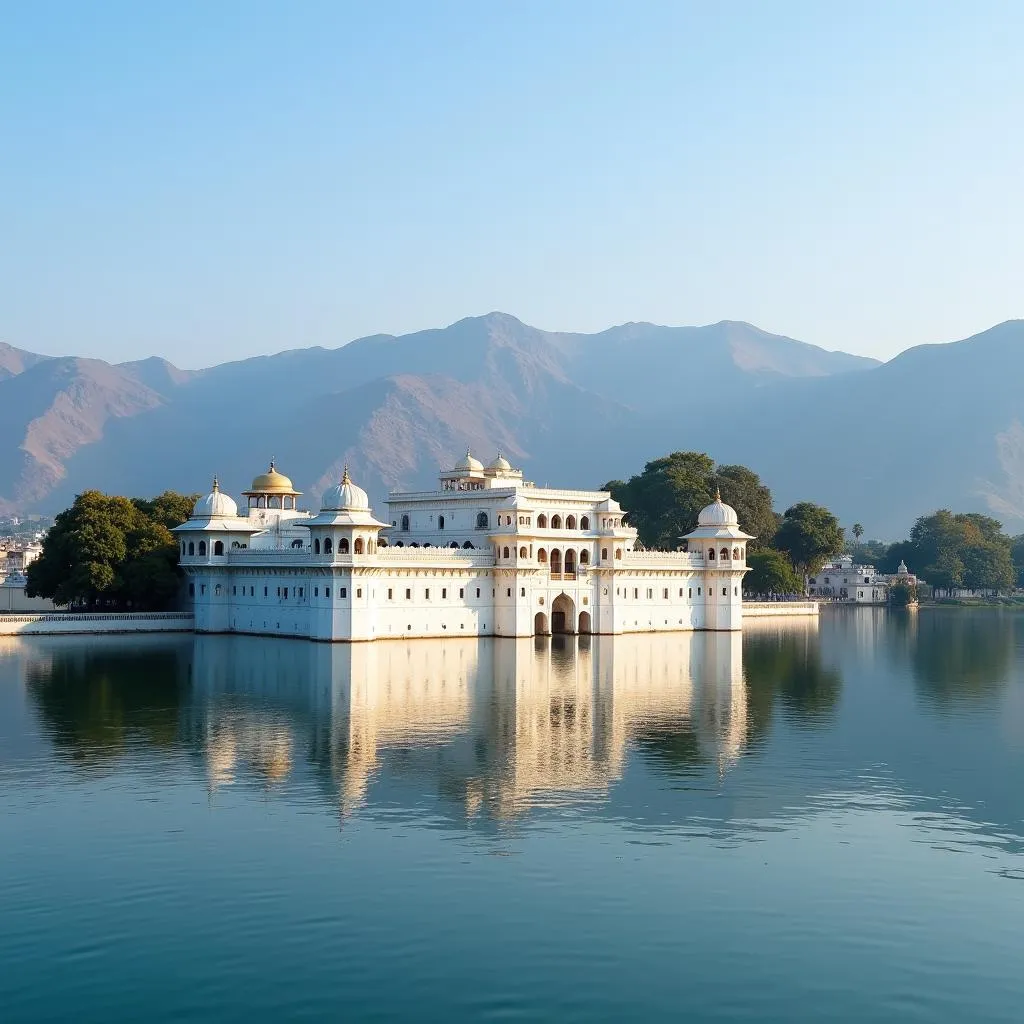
(272,482)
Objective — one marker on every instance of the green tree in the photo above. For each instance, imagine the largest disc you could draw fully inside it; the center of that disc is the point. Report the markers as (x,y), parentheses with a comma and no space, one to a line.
(771,574)
(663,501)
(107,552)
(902,594)
(810,535)
(1017,557)
(952,550)
(858,532)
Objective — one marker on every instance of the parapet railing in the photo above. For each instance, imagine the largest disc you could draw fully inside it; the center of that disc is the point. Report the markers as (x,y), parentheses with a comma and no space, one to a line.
(673,558)
(93,616)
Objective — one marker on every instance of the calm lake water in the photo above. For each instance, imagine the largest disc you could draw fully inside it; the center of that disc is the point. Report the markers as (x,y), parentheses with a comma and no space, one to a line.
(805,823)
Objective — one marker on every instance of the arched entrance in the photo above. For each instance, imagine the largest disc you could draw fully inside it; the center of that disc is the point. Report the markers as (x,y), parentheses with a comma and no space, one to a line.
(563,615)
(540,624)
(585,622)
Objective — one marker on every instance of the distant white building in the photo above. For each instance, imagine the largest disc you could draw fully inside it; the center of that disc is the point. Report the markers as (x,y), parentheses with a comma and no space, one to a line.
(844,580)
(487,553)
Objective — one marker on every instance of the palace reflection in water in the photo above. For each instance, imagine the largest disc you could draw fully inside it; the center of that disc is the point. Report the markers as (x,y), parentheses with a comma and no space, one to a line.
(501,724)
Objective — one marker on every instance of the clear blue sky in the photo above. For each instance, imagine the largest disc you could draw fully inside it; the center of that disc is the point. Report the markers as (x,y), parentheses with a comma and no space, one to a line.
(212,180)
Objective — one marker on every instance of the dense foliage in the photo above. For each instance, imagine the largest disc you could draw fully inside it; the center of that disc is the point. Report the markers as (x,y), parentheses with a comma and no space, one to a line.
(664,500)
(809,534)
(771,575)
(110,552)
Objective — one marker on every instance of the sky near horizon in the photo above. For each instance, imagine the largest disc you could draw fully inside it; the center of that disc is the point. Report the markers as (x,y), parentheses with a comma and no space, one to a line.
(211,181)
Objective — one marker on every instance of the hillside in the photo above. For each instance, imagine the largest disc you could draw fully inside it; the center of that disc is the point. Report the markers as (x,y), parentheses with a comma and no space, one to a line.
(938,425)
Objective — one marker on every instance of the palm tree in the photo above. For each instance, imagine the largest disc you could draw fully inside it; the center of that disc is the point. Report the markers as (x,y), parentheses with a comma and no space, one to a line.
(858,532)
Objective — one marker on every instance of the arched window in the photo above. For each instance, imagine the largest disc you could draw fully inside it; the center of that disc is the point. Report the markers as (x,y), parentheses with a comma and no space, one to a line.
(440,522)
(328,545)
(618,552)
(343,546)
(542,556)
(585,523)
(504,553)
(454,544)
(604,554)
(261,502)
(584,558)
(359,545)
(405,524)
(556,560)
(316,546)
(414,544)
(711,554)
(202,547)
(399,544)
(468,546)
(724,554)
(235,544)
(191,547)
(556,522)
(273,502)
(297,543)
(570,560)
(218,547)
(522,552)
(570,522)
(481,520)
(542,521)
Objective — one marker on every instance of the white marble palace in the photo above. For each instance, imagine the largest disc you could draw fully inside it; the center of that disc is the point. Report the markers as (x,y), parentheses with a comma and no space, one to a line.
(486,554)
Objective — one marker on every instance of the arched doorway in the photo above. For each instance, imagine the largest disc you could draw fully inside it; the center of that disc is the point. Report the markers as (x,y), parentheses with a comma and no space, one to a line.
(585,622)
(563,615)
(540,624)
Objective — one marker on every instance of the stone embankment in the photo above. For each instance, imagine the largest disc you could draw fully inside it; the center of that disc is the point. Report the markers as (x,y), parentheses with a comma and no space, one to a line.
(55,623)
(779,609)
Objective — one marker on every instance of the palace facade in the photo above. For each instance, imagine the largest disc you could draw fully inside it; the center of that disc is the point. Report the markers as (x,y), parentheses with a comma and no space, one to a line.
(486,554)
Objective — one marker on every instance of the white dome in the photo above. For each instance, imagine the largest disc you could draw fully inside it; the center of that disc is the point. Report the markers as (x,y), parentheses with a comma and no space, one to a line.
(718,514)
(500,464)
(215,505)
(345,497)
(470,464)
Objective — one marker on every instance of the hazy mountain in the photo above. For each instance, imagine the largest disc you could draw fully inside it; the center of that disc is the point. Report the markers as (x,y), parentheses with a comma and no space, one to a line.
(939,425)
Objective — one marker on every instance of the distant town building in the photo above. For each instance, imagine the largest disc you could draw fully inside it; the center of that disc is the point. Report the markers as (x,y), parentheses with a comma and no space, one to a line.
(842,580)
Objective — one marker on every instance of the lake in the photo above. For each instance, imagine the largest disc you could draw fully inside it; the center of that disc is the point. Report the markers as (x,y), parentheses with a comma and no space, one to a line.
(812,821)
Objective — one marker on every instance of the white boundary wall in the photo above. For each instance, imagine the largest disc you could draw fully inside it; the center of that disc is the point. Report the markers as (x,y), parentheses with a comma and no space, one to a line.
(99,622)
(779,609)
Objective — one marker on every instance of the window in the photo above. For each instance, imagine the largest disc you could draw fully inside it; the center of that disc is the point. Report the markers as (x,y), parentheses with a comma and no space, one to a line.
(504,553)
(328,546)
(278,591)
(316,546)
(359,591)
(689,592)
(408,594)
(202,588)
(636,593)
(359,545)
(327,591)
(736,554)
(462,591)
(426,594)
(391,594)
(584,557)
(650,593)
(316,591)
(570,522)
(477,591)
(604,554)
(556,522)
(234,591)
(191,590)
(724,554)
(343,546)
(440,522)
(542,555)
(680,591)
(522,552)
(725,591)
(664,594)
(191,547)
(202,547)
(481,521)
(405,524)
(218,547)
(286,593)
(522,591)
(735,591)
(444,593)
(508,592)
(264,591)
(698,591)
(542,521)
(711,554)
(585,522)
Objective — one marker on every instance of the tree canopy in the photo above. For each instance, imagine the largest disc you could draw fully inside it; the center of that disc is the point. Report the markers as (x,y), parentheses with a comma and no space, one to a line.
(810,535)
(771,575)
(663,501)
(112,552)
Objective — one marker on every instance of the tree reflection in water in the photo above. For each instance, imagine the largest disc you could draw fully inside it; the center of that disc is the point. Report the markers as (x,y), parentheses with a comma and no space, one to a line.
(93,700)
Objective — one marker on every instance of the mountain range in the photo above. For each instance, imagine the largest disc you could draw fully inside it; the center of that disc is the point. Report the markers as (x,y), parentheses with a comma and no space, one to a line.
(879,443)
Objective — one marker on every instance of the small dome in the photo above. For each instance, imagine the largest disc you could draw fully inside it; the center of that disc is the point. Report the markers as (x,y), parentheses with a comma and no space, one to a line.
(469,464)
(718,514)
(903,570)
(345,497)
(501,464)
(272,482)
(215,505)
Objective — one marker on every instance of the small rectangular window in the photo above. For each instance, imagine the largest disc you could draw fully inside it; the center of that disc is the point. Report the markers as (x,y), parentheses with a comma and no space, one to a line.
(508,593)
(391,594)
(327,591)
(689,591)
(302,591)
(426,594)
(636,593)
(680,591)
(234,591)
(477,591)
(522,591)
(359,592)
(408,594)
(462,591)
(444,593)
(286,592)
(278,591)
(725,591)
(664,594)
(316,591)
(252,591)
(698,591)
(735,591)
